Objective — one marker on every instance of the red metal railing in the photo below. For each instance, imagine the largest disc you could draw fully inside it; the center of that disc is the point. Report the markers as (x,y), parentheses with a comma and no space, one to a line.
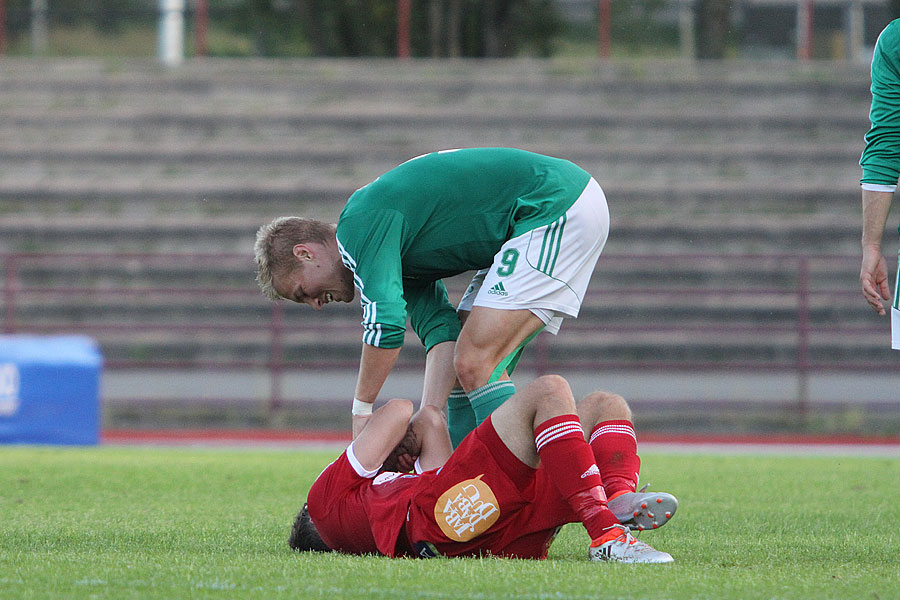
(41,290)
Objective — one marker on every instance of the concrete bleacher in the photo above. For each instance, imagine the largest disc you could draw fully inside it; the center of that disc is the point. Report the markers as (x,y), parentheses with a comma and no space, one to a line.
(722,159)
(221,141)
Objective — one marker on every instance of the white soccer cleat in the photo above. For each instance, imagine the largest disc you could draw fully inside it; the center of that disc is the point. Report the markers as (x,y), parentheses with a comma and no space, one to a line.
(624,548)
(643,510)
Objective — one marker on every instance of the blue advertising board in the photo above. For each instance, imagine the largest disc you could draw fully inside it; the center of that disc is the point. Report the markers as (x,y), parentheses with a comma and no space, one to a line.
(49,390)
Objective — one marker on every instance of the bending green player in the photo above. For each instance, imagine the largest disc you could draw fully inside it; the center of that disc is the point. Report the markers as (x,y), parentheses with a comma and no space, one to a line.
(531,226)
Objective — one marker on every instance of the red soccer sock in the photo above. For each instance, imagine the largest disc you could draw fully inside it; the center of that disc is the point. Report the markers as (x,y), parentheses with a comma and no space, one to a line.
(570,463)
(615,449)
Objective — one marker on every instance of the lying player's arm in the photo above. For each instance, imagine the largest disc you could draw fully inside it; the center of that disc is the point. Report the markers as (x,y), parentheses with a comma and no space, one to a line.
(419,443)
(435,448)
(381,433)
(426,441)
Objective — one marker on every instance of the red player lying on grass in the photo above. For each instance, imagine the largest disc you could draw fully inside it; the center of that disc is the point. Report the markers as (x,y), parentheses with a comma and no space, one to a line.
(505,491)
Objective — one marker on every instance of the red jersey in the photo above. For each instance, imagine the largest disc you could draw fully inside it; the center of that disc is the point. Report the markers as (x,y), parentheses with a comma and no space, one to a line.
(358,513)
(483,501)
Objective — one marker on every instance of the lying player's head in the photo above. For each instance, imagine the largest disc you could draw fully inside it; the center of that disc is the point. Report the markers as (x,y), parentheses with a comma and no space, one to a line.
(304,537)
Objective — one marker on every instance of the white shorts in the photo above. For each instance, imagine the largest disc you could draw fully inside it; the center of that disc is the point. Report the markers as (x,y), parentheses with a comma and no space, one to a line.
(895,313)
(895,329)
(546,270)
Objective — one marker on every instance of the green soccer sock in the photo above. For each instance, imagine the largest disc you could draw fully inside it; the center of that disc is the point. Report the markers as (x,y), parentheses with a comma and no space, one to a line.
(488,397)
(460,416)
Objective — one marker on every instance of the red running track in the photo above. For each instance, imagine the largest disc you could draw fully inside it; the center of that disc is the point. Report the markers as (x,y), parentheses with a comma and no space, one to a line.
(327,437)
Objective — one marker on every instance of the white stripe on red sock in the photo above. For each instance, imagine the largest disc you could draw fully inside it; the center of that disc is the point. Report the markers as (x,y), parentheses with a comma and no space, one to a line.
(611,429)
(557,431)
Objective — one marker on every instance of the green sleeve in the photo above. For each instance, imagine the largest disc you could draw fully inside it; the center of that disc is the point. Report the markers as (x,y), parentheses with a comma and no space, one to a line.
(881,157)
(370,247)
(432,316)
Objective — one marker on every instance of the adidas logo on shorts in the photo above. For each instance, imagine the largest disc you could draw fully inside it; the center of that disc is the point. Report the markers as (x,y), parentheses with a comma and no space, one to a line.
(498,290)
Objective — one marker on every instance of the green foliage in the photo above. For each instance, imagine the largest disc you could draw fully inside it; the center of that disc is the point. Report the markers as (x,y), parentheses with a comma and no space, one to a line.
(296,28)
(192,523)
(369,27)
(639,27)
(86,28)
(636,29)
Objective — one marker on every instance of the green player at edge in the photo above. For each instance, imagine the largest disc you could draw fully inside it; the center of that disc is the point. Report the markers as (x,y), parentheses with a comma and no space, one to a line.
(880,163)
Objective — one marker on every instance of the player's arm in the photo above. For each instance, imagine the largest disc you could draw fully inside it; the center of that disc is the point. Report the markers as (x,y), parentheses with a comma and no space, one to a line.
(873,274)
(370,247)
(426,444)
(429,421)
(381,433)
(440,375)
(430,428)
(374,366)
(437,325)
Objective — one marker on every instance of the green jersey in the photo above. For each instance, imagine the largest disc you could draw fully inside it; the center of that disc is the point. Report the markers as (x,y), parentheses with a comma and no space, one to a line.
(439,215)
(881,158)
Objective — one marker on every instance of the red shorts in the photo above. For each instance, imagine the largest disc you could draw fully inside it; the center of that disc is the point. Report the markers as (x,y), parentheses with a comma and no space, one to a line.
(484,500)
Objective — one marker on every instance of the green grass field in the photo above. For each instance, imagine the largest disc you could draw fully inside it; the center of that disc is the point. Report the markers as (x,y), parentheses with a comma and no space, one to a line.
(114,522)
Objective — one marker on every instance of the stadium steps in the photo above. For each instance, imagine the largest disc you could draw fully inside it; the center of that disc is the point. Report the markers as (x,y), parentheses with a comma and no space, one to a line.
(259,201)
(723,315)
(696,158)
(737,233)
(668,122)
(31,164)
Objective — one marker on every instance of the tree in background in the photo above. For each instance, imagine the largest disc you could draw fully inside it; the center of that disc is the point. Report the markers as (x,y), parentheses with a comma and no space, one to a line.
(444,28)
(713,27)
(639,28)
(474,28)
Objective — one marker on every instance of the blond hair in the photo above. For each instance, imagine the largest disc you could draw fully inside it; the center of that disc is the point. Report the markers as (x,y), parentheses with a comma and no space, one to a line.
(274,248)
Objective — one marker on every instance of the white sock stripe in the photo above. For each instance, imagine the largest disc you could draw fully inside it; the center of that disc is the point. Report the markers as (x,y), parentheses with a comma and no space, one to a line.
(543,440)
(558,426)
(615,429)
(488,388)
(557,430)
(562,434)
(608,429)
(554,432)
(598,433)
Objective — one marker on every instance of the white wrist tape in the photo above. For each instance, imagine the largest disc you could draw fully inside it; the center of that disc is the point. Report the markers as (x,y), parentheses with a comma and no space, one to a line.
(361,409)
